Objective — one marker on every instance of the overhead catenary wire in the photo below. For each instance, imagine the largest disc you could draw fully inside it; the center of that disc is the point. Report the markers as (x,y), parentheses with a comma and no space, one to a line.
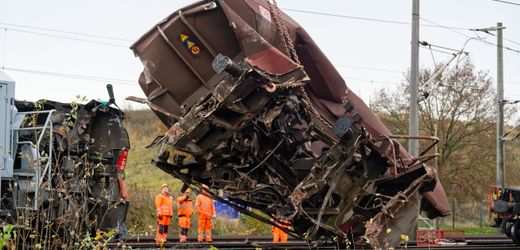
(363,18)
(66,32)
(122,46)
(437,50)
(65,37)
(426,87)
(467,36)
(511,41)
(432,24)
(424,43)
(293,10)
(371,81)
(368,68)
(489,33)
(510,101)
(506,2)
(74,76)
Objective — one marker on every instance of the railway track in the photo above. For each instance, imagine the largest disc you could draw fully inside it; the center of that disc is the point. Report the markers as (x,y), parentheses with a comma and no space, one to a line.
(263,242)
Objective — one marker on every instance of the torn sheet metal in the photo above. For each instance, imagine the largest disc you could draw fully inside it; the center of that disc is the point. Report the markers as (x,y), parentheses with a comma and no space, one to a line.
(270,124)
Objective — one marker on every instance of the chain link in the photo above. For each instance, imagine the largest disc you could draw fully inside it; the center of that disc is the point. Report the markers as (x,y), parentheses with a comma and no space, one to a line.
(282,31)
(291,51)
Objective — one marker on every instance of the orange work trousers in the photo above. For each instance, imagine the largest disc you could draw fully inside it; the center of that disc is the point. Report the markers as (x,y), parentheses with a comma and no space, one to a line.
(184,227)
(204,226)
(162,229)
(279,235)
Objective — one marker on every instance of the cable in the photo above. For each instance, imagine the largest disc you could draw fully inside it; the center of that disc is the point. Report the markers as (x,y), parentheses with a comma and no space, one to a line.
(489,33)
(365,18)
(371,81)
(424,43)
(462,34)
(66,32)
(510,101)
(446,27)
(511,41)
(65,37)
(506,2)
(75,76)
(433,24)
(436,50)
(368,68)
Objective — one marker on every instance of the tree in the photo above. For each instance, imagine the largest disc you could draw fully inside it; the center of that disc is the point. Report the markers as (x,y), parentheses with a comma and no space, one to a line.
(462,105)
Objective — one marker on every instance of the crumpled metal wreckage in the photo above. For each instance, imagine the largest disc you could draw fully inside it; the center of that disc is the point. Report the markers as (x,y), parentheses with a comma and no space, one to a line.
(257,112)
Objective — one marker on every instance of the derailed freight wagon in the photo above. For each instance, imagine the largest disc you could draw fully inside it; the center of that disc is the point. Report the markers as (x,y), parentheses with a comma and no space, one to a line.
(267,122)
(62,169)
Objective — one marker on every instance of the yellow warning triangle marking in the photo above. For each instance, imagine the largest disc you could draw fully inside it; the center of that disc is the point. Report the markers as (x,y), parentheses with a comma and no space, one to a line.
(183,37)
(190,44)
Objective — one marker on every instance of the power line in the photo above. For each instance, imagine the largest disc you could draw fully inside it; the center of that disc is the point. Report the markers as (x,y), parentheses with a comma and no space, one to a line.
(65,37)
(364,18)
(75,76)
(469,37)
(371,81)
(437,50)
(489,33)
(515,42)
(509,40)
(368,68)
(506,2)
(425,43)
(493,44)
(66,32)
(446,27)
(432,24)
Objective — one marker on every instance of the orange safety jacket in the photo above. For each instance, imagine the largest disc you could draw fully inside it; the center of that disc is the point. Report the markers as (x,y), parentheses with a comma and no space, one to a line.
(164,204)
(205,206)
(185,207)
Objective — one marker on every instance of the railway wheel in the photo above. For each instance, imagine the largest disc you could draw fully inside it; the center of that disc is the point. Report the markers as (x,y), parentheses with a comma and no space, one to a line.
(515,232)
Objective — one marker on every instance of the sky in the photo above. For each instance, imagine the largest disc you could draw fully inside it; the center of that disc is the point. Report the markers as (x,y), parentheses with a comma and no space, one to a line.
(369,54)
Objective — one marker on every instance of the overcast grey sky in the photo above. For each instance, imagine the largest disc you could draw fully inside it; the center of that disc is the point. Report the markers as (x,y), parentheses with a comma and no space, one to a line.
(369,54)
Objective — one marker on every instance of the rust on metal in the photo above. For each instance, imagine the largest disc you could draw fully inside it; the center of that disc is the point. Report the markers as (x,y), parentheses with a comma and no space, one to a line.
(272,125)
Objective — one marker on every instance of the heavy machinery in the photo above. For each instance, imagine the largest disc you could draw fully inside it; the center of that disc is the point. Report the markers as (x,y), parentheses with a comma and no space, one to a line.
(257,112)
(62,168)
(505,210)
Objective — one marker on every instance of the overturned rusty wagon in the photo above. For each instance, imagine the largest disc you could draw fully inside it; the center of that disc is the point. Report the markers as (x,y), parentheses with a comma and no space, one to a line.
(62,169)
(258,113)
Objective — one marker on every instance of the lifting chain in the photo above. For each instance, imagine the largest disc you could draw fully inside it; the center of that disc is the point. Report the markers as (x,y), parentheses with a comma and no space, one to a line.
(290,51)
(282,31)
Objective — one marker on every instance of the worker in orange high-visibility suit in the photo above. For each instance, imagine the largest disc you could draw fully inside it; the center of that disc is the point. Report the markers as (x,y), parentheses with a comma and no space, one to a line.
(164,205)
(206,211)
(184,212)
(278,234)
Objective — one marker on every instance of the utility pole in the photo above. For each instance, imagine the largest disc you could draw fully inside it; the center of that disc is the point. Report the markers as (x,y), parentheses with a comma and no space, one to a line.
(413,146)
(500,102)
(500,116)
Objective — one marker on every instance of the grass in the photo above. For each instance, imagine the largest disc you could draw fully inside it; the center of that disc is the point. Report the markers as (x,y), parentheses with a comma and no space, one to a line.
(143,182)
(472,230)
